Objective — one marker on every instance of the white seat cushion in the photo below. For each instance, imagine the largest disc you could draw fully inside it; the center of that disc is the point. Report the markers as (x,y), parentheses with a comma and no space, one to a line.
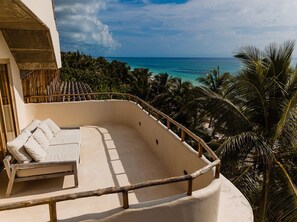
(34,149)
(65,152)
(16,147)
(66,136)
(41,139)
(46,130)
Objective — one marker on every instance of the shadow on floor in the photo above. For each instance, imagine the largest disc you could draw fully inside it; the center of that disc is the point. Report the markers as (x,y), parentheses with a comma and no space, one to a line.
(28,188)
(131,161)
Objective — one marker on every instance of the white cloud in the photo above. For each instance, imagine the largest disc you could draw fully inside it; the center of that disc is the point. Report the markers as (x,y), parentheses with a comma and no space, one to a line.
(79,25)
(195,28)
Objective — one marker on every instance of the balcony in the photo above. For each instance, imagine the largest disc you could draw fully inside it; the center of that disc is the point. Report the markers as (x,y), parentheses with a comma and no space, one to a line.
(136,165)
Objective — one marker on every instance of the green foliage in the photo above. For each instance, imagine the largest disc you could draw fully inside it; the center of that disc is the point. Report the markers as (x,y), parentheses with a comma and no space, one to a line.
(139,80)
(255,115)
(101,75)
(214,80)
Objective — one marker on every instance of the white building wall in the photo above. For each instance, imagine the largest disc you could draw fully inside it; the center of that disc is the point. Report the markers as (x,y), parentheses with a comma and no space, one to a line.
(5,55)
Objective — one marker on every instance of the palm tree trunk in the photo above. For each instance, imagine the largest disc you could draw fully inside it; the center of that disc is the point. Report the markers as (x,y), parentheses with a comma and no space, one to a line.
(265,193)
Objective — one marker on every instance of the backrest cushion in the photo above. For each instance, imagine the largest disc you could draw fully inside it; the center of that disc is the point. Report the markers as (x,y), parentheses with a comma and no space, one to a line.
(35,150)
(16,147)
(53,126)
(33,125)
(41,139)
(46,130)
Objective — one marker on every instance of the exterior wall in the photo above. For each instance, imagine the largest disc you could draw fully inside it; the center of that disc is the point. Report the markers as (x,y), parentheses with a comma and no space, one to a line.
(45,13)
(5,54)
(233,205)
(201,206)
(77,113)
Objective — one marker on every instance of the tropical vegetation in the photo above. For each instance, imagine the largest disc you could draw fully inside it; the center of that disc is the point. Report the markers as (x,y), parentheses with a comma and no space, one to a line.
(255,116)
(214,80)
(249,119)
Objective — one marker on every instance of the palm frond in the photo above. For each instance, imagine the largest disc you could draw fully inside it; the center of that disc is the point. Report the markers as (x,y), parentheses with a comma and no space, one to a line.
(222,110)
(248,54)
(241,145)
(288,136)
(280,58)
(250,95)
(282,196)
(282,120)
(291,86)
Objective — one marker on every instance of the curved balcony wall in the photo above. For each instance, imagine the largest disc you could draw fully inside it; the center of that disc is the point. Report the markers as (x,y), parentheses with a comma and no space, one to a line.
(176,156)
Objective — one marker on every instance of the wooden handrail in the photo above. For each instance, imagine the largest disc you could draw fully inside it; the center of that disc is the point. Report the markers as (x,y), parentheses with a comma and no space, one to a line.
(51,201)
(109,190)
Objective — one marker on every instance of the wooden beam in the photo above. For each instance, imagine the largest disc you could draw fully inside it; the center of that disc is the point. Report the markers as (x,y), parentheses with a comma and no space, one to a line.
(37,65)
(190,187)
(183,135)
(200,150)
(53,212)
(30,50)
(125,199)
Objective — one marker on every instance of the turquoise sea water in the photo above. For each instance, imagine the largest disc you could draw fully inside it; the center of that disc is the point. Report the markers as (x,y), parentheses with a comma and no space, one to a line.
(188,69)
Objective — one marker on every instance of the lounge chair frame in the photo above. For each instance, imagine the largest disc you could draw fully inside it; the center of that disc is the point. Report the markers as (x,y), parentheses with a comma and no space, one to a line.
(11,170)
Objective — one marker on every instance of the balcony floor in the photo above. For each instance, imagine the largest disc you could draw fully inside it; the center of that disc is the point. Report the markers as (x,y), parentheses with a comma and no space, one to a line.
(111,155)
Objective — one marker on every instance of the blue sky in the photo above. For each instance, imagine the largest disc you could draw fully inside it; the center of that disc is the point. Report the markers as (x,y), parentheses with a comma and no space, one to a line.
(173,28)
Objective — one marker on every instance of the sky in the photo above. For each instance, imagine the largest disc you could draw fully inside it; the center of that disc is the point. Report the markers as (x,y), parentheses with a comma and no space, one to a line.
(173,28)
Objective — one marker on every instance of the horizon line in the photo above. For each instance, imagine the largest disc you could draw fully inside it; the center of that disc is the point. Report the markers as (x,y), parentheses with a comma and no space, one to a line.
(178,57)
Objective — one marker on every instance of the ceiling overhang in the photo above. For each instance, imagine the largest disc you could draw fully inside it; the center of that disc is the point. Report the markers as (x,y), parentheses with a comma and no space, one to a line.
(28,38)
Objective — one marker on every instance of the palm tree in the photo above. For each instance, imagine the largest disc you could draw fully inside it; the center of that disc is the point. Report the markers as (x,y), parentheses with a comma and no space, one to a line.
(159,84)
(257,119)
(213,80)
(139,80)
(172,100)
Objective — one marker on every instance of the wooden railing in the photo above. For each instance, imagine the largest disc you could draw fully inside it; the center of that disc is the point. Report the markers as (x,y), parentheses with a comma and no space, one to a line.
(159,116)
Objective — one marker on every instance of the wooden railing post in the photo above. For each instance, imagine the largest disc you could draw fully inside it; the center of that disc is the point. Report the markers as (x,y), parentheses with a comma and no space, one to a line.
(183,135)
(125,199)
(190,187)
(218,169)
(200,150)
(168,124)
(53,212)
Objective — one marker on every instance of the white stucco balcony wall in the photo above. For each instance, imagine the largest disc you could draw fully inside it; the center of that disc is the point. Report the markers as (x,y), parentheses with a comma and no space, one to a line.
(204,205)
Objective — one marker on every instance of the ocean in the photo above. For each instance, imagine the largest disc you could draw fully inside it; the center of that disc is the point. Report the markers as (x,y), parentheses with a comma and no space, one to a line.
(188,69)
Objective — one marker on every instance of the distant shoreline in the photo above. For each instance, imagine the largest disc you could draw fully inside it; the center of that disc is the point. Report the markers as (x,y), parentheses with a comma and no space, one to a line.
(186,68)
